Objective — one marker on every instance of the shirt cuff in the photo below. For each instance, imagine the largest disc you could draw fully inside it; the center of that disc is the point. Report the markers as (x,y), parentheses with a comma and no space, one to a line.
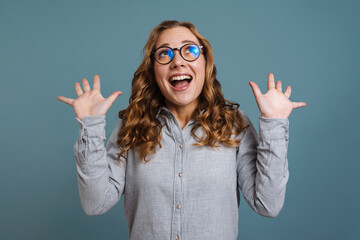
(274,128)
(92,126)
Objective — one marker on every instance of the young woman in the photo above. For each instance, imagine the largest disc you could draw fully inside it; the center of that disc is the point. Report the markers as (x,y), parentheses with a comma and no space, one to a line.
(181,151)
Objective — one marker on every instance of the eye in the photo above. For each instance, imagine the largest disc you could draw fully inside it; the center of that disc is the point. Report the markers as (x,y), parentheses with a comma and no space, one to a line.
(164,53)
(191,51)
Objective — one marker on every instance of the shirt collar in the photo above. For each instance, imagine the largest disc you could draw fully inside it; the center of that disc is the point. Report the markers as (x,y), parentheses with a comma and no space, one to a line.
(164,111)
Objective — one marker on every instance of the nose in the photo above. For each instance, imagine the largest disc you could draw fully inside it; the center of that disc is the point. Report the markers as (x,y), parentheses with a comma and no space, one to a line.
(177,61)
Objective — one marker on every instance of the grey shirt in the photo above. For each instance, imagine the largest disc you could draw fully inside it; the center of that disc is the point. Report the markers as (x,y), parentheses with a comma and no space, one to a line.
(184,191)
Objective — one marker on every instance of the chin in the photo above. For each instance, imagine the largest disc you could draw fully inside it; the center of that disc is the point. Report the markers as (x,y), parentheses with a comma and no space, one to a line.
(182,103)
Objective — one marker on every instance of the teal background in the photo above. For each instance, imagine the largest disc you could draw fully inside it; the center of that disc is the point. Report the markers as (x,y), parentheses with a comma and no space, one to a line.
(46,46)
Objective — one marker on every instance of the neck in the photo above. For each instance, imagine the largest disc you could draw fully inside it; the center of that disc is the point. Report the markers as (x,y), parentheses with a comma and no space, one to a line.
(183,114)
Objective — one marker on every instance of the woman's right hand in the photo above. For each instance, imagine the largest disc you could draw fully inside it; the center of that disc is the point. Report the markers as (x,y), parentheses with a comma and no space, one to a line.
(90,102)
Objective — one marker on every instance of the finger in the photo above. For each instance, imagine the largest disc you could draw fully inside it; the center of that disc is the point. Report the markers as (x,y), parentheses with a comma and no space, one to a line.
(86,85)
(298,104)
(287,91)
(279,86)
(271,82)
(255,89)
(96,82)
(78,89)
(65,100)
(114,96)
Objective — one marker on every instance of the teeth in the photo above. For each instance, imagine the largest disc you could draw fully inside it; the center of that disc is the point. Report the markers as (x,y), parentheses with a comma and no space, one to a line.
(181,77)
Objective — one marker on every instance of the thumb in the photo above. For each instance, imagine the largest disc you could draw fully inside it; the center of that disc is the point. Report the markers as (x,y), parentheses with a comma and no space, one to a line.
(255,89)
(298,104)
(114,96)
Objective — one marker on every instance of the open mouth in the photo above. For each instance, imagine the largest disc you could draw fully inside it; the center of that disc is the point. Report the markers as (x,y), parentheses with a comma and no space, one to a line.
(180,81)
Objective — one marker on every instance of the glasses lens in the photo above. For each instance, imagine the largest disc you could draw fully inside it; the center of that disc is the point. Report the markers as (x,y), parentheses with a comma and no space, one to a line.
(164,55)
(190,52)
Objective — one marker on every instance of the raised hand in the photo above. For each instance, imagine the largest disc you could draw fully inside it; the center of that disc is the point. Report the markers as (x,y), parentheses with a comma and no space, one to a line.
(90,102)
(274,103)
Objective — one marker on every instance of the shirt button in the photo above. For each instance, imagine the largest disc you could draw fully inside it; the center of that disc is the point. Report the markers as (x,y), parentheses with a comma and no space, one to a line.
(180,174)
(181,146)
(178,206)
(177,237)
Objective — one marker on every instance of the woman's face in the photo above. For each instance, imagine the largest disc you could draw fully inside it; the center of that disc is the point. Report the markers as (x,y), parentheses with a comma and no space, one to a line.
(183,93)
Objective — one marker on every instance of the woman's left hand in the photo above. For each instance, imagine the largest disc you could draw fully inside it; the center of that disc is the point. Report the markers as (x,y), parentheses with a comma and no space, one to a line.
(274,103)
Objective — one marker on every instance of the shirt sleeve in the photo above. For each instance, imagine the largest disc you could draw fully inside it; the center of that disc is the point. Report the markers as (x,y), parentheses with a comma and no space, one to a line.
(101,179)
(262,166)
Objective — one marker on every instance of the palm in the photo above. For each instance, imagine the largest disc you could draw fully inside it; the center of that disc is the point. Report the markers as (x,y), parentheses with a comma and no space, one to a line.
(90,102)
(274,103)
(93,101)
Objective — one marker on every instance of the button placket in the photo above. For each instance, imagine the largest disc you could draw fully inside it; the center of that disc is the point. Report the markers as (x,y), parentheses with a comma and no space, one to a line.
(178,191)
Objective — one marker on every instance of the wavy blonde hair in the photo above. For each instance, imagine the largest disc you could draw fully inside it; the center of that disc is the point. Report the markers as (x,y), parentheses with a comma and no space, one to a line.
(141,130)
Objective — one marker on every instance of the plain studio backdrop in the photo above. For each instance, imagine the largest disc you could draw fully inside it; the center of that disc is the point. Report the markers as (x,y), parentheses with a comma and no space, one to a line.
(47,46)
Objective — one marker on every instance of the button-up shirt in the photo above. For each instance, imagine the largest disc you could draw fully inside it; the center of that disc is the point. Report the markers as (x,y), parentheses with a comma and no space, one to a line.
(184,191)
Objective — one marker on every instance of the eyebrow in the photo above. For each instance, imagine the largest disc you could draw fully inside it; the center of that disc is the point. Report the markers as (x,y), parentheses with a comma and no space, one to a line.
(185,41)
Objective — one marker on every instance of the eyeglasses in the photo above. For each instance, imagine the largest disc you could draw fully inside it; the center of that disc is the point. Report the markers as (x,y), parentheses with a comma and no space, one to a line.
(189,52)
